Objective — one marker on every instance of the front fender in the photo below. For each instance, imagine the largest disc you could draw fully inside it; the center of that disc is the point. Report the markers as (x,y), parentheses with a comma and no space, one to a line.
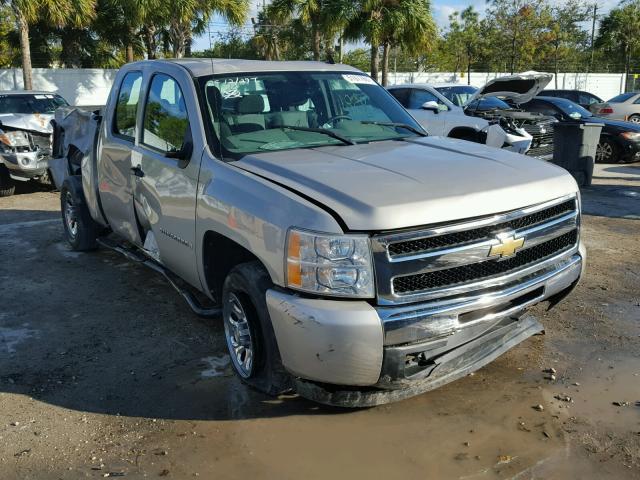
(253,212)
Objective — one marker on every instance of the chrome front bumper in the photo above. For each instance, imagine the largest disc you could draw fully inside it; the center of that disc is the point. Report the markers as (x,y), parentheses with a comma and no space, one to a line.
(24,165)
(356,344)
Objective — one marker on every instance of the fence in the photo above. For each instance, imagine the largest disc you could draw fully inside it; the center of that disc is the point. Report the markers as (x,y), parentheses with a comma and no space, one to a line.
(91,86)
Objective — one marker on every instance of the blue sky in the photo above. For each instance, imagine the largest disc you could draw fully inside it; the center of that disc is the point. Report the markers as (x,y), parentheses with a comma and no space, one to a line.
(441,11)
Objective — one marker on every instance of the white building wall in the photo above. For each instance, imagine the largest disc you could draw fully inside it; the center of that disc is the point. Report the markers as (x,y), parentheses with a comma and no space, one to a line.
(90,86)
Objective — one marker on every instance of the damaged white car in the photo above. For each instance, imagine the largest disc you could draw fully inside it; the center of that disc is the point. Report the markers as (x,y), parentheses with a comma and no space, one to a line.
(26,136)
(481,115)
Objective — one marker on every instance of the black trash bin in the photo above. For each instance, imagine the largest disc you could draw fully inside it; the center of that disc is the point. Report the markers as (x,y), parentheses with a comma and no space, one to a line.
(574,148)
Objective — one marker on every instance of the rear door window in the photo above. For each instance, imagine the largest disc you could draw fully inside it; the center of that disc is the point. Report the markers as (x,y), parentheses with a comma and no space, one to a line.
(165,115)
(127,106)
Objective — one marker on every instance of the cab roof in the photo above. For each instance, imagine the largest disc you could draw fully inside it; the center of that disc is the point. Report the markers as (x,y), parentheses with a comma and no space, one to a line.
(199,67)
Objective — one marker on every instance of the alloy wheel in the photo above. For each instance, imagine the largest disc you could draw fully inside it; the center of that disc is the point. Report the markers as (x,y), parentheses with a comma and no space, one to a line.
(70,215)
(239,338)
(604,152)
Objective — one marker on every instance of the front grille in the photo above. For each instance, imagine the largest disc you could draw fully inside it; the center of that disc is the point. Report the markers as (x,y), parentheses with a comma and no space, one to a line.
(484,270)
(421,245)
(542,142)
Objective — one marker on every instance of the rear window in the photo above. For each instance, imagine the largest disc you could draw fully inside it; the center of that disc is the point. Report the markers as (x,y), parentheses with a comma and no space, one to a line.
(623,97)
(31,103)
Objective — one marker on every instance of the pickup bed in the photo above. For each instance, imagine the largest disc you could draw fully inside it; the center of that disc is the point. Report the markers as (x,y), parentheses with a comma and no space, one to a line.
(352,258)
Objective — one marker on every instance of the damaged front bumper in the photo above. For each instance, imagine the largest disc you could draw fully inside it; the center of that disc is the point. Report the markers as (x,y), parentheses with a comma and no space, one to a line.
(25,165)
(353,354)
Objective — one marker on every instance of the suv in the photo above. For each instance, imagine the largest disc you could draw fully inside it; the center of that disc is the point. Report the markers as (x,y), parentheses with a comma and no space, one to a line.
(25,136)
(352,258)
(445,117)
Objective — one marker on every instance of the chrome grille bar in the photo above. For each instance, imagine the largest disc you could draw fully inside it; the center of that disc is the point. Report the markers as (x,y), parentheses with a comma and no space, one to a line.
(551,222)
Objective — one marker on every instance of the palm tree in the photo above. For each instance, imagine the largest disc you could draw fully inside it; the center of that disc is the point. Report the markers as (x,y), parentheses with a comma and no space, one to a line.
(184,14)
(309,12)
(392,23)
(57,12)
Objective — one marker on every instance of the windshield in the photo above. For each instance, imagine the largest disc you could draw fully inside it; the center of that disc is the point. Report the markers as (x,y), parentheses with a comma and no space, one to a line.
(458,94)
(623,97)
(573,110)
(31,103)
(488,103)
(277,111)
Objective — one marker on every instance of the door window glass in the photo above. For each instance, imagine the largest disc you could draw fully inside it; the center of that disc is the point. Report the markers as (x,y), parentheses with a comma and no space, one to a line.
(420,97)
(127,105)
(165,115)
(586,99)
(402,94)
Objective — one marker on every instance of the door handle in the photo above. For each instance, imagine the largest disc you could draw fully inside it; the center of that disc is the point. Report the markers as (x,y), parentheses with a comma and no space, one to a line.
(137,171)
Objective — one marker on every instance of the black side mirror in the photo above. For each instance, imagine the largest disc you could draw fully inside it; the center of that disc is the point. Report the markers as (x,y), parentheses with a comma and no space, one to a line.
(185,152)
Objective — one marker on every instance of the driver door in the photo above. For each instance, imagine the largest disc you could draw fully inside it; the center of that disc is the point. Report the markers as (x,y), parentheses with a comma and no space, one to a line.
(166,167)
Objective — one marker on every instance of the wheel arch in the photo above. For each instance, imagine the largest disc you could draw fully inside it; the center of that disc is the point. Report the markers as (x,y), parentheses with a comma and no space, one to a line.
(220,254)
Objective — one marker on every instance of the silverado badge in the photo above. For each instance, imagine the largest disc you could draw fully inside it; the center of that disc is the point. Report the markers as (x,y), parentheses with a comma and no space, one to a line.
(507,246)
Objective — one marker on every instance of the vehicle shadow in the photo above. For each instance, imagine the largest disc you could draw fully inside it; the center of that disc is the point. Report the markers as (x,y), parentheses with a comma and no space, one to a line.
(94,332)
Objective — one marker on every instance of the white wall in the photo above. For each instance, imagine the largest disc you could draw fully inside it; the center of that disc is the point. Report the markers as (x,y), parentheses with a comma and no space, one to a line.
(79,86)
(604,85)
(90,86)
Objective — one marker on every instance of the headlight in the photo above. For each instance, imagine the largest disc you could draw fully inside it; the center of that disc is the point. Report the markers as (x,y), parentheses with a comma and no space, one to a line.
(338,265)
(633,136)
(15,139)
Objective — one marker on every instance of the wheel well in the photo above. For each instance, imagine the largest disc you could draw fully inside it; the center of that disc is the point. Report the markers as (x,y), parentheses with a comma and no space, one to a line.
(74,167)
(469,134)
(220,254)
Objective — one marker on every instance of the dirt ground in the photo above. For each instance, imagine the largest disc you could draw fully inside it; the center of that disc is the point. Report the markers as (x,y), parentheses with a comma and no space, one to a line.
(105,372)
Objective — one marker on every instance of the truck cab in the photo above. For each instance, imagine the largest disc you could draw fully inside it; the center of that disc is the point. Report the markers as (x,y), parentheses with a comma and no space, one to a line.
(351,257)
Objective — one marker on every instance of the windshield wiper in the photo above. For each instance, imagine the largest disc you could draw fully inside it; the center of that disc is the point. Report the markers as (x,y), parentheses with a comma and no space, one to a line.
(396,124)
(325,131)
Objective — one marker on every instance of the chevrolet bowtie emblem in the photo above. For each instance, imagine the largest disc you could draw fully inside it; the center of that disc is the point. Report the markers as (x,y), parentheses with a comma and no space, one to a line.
(507,246)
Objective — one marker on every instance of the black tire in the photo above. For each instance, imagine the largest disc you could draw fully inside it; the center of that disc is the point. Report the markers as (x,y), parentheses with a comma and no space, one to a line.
(634,118)
(80,229)
(607,151)
(7,185)
(247,284)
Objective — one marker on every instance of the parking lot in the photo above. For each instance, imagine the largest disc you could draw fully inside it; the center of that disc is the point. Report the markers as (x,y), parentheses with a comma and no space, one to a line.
(104,371)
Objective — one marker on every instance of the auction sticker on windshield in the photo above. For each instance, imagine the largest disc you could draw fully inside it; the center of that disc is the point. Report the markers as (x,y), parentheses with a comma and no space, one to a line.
(358,79)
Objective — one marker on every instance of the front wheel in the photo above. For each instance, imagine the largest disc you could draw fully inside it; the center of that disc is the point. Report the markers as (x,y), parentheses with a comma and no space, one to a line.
(79,228)
(248,331)
(607,152)
(7,185)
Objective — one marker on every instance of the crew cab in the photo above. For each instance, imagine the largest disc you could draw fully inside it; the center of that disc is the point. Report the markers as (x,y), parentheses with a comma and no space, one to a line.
(353,258)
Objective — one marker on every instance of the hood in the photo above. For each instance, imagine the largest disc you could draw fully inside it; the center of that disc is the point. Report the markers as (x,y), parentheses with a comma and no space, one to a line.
(517,88)
(398,184)
(34,122)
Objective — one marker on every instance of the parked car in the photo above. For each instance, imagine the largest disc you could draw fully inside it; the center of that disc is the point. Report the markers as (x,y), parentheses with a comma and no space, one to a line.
(439,116)
(487,106)
(625,106)
(353,258)
(584,99)
(25,136)
(619,141)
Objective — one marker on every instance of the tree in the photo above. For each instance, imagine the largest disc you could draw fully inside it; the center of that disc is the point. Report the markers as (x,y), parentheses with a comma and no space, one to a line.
(465,37)
(185,14)
(565,34)
(407,24)
(517,30)
(620,33)
(56,12)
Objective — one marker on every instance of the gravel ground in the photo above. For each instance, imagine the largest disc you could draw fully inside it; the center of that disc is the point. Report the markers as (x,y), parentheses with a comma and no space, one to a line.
(105,372)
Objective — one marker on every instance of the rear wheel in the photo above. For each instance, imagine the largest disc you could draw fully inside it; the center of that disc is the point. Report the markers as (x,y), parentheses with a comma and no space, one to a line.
(7,185)
(80,229)
(248,331)
(607,151)
(634,118)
